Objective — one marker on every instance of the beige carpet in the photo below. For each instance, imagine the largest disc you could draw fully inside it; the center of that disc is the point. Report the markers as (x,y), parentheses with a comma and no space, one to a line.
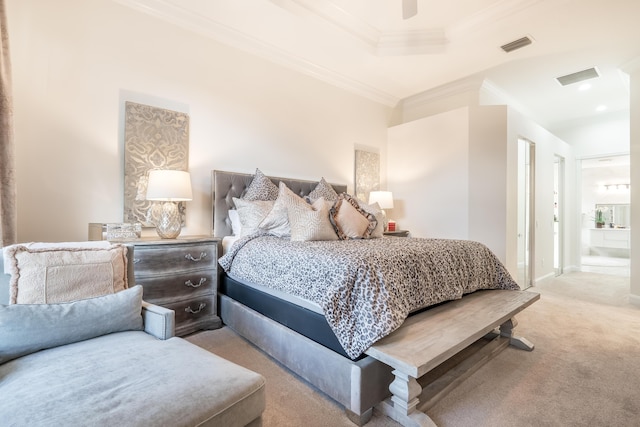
(584,371)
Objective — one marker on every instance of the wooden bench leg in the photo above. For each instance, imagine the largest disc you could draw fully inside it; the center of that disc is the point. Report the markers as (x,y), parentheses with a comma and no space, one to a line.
(401,406)
(506,330)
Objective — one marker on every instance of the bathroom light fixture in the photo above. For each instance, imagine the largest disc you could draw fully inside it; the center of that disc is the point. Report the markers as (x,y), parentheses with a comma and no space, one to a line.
(608,187)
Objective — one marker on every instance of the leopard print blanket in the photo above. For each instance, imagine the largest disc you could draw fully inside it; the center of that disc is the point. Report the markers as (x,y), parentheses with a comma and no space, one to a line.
(367,288)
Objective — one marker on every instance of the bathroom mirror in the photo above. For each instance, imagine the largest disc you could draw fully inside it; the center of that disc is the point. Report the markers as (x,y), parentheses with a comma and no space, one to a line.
(618,214)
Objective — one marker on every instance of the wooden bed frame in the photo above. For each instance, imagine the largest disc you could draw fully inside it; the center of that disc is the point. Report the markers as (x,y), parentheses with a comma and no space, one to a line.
(403,374)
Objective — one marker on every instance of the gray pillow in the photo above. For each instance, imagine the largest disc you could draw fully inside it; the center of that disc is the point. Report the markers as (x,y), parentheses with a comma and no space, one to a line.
(261,188)
(324,190)
(27,328)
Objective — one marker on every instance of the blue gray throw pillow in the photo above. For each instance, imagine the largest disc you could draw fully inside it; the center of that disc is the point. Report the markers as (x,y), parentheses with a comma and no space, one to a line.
(27,328)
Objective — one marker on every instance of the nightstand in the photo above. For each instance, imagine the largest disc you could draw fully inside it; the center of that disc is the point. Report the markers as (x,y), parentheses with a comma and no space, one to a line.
(180,274)
(397,233)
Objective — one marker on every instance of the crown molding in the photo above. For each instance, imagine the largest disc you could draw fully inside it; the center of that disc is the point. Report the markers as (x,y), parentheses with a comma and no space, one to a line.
(411,43)
(381,43)
(505,98)
(488,16)
(179,16)
(335,15)
(469,84)
(400,43)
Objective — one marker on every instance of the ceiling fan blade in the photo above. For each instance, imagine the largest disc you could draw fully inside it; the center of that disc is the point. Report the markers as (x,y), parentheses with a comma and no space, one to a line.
(409,8)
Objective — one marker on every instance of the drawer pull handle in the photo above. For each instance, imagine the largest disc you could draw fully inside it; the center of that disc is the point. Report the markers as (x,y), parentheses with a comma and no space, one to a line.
(202,281)
(136,260)
(190,257)
(192,311)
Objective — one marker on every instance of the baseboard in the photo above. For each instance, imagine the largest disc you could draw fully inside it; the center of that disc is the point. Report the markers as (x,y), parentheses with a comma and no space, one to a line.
(545,277)
(572,269)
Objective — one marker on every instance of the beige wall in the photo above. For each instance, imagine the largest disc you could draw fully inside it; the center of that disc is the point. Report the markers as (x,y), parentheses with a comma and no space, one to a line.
(76,62)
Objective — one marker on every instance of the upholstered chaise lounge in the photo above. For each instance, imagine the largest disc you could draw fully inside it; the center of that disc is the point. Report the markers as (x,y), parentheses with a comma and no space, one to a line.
(113,360)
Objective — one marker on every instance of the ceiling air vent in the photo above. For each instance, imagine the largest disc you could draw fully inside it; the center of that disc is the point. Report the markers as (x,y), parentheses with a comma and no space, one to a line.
(579,76)
(516,44)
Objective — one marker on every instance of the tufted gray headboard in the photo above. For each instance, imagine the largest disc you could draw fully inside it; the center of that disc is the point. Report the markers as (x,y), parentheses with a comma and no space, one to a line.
(227,185)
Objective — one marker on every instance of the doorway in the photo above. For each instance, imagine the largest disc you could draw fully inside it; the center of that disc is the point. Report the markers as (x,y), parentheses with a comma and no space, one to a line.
(526,212)
(605,233)
(558,215)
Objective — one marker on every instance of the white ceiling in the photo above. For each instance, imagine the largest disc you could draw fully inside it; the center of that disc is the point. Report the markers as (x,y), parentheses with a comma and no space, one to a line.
(365,46)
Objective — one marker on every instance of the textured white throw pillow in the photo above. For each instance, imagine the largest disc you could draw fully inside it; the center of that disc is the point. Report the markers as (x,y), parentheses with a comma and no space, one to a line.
(252,213)
(311,222)
(54,273)
(276,222)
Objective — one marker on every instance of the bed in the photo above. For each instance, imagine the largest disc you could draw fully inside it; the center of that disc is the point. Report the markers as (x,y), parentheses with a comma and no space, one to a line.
(308,333)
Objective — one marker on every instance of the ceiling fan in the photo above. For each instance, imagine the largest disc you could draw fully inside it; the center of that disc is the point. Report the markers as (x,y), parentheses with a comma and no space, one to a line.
(409,8)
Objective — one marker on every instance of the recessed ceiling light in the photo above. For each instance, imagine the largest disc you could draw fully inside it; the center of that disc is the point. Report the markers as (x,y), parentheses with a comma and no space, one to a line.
(601,107)
(585,86)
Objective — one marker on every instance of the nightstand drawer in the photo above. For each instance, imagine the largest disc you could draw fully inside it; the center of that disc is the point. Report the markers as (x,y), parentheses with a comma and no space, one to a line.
(164,259)
(180,274)
(165,289)
(194,314)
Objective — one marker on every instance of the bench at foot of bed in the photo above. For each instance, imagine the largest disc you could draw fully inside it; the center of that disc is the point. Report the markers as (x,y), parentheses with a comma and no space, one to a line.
(414,350)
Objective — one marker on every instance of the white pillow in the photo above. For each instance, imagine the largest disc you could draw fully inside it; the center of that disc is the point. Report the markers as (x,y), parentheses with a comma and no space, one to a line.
(251,213)
(236,225)
(276,222)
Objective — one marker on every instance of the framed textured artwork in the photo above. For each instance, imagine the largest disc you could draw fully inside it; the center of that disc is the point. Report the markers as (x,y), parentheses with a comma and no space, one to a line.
(154,138)
(367,173)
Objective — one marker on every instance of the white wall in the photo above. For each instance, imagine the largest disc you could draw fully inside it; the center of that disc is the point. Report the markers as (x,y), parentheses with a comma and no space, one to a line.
(489,182)
(76,62)
(428,170)
(460,180)
(603,136)
(449,172)
(547,146)
(634,73)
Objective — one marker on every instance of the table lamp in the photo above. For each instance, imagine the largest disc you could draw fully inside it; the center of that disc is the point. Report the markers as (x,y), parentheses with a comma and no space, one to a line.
(170,187)
(384,200)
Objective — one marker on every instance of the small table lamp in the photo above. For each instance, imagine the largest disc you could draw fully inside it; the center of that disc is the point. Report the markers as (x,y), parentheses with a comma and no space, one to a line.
(170,187)
(384,200)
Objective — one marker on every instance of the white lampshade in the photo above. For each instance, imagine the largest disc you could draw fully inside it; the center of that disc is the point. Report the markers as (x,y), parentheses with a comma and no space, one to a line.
(169,186)
(383,198)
